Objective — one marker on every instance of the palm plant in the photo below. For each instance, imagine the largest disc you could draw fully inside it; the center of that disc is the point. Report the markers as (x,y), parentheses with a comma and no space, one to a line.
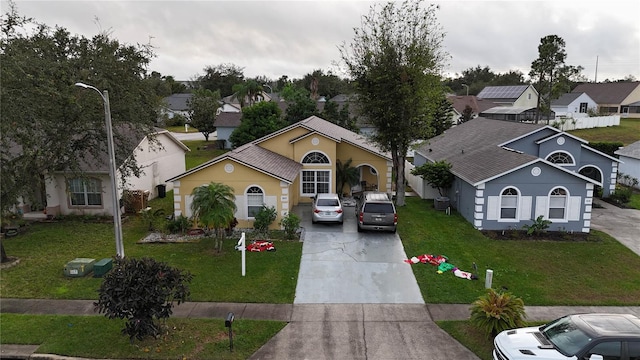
(248,90)
(214,207)
(497,311)
(346,174)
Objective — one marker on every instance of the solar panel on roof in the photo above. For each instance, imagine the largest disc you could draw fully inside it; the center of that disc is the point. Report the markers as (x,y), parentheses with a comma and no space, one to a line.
(502,92)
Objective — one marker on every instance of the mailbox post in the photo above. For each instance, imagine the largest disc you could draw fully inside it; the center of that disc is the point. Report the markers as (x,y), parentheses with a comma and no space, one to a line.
(227,323)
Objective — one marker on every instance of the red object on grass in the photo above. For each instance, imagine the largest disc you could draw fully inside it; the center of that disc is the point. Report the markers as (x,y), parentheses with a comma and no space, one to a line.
(261,245)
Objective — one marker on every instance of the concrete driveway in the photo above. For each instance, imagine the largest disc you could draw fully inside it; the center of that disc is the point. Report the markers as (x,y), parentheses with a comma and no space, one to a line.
(622,224)
(341,266)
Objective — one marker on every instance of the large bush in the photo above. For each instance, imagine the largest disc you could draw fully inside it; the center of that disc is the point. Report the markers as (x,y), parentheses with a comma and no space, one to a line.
(497,311)
(265,217)
(142,291)
(607,147)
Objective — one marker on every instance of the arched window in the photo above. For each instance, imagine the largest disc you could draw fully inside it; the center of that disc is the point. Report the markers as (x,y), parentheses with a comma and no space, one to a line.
(255,200)
(85,192)
(560,158)
(315,158)
(558,203)
(509,203)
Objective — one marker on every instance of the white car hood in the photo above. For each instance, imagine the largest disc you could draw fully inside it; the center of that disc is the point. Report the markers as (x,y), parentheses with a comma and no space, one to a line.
(522,344)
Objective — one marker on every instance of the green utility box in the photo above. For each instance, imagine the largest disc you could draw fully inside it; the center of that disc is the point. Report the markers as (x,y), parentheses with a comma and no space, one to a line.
(79,267)
(102,267)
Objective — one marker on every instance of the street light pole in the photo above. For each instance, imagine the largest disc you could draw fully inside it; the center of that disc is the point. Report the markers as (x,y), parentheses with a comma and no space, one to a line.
(466,86)
(117,223)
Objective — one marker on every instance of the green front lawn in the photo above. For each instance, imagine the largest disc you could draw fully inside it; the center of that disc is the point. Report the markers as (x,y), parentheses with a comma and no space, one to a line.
(600,271)
(201,152)
(99,337)
(627,132)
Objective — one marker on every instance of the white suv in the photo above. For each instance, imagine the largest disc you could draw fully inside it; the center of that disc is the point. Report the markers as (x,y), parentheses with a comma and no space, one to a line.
(573,337)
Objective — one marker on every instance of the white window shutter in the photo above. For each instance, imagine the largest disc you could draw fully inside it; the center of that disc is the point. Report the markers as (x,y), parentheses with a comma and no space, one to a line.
(241,207)
(574,208)
(493,207)
(541,206)
(188,199)
(525,207)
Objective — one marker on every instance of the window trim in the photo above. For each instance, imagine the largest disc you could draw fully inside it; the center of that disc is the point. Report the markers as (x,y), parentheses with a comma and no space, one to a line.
(315,171)
(85,193)
(568,154)
(566,205)
(246,198)
(517,206)
(315,164)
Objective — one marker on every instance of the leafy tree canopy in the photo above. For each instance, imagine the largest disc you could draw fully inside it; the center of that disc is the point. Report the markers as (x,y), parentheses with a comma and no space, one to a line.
(51,125)
(257,121)
(436,174)
(395,59)
(203,107)
(221,77)
(325,84)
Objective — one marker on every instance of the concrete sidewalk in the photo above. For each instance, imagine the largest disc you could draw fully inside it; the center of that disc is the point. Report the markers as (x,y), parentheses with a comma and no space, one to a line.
(368,328)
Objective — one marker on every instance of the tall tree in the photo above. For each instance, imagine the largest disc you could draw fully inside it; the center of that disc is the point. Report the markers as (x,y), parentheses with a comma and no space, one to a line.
(214,207)
(257,121)
(51,125)
(203,108)
(300,106)
(396,58)
(545,69)
(222,78)
(247,92)
(442,118)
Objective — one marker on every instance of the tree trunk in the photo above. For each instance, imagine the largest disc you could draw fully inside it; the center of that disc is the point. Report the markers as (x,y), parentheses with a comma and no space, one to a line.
(5,258)
(398,167)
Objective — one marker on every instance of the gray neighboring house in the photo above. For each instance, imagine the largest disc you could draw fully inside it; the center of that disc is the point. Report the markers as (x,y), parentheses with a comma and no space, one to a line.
(630,160)
(226,123)
(177,104)
(508,173)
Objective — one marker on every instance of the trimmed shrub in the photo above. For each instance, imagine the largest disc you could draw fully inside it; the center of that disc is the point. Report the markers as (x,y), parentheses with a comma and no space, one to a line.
(290,223)
(264,218)
(607,147)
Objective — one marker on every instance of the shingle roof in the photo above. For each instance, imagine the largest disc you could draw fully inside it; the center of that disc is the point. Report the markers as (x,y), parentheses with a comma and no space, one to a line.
(632,150)
(228,119)
(473,150)
(178,102)
(607,93)
(566,99)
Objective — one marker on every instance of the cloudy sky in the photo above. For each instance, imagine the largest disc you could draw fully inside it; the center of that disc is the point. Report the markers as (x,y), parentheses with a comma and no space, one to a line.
(293,38)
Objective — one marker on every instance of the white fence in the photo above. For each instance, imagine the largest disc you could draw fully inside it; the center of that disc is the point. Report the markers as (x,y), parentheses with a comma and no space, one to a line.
(565,124)
(417,183)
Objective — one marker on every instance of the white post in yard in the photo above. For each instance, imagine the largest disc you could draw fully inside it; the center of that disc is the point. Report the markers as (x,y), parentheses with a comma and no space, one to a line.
(488,279)
(244,250)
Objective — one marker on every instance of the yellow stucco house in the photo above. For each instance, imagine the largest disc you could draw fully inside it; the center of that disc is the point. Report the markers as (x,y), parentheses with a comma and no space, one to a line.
(287,168)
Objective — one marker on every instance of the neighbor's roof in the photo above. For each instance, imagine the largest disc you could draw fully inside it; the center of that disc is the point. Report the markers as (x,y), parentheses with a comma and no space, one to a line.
(608,93)
(228,119)
(178,102)
(502,92)
(473,150)
(632,150)
(459,103)
(507,110)
(566,99)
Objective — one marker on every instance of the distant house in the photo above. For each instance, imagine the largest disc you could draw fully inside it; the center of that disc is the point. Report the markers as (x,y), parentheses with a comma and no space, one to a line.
(574,105)
(630,160)
(621,98)
(177,104)
(509,173)
(226,123)
(159,159)
(513,103)
(460,102)
(286,168)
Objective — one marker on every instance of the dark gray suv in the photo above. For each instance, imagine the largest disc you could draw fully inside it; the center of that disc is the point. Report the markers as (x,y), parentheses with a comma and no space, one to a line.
(375,211)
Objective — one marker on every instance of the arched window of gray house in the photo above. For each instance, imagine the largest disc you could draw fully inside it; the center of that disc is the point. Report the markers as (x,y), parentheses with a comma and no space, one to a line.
(509,203)
(255,200)
(561,158)
(558,204)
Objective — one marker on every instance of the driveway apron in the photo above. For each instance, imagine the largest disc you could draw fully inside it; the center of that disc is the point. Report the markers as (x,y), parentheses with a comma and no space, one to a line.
(339,265)
(622,224)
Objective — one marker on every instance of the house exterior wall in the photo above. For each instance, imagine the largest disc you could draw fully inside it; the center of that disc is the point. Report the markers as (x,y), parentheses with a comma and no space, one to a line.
(528,99)
(158,164)
(573,109)
(240,178)
(224,133)
(59,203)
(309,144)
(462,197)
(528,144)
(533,199)
(564,144)
(608,168)
(630,166)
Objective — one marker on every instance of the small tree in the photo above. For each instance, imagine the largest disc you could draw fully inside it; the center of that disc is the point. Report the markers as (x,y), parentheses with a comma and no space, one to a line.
(467,114)
(437,174)
(214,206)
(346,175)
(203,107)
(495,312)
(265,217)
(142,291)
